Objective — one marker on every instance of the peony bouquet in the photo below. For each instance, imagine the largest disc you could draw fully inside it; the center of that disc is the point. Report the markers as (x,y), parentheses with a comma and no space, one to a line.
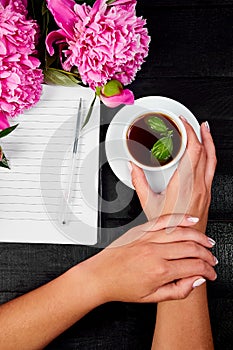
(99,44)
(103,45)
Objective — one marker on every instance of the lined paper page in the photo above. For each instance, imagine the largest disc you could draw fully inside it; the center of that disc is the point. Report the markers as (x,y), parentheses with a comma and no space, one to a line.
(40,151)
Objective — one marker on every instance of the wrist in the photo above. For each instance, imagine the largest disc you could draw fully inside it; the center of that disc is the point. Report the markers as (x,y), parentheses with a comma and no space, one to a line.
(93,285)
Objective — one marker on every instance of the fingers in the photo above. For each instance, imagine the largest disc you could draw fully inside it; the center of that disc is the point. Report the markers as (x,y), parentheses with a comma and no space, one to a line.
(184,268)
(211,160)
(138,176)
(191,158)
(184,250)
(194,147)
(158,231)
(170,220)
(181,235)
(141,185)
(175,290)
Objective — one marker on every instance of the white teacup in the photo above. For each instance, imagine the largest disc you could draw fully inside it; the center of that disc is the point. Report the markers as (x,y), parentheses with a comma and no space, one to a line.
(158,177)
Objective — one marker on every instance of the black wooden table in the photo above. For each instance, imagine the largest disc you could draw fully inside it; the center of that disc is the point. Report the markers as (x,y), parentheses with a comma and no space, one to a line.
(190,60)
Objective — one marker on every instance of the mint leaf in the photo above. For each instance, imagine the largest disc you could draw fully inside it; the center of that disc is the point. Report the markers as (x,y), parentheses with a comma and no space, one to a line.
(162,149)
(157,124)
(167,133)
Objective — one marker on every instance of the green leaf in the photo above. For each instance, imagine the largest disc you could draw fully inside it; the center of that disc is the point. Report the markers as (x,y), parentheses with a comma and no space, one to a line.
(109,2)
(156,124)
(89,113)
(7,131)
(54,76)
(162,149)
(49,59)
(4,162)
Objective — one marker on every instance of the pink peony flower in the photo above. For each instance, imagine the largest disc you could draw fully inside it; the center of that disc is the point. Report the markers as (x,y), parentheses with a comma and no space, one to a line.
(17,34)
(20,85)
(20,78)
(17,6)
(105,42)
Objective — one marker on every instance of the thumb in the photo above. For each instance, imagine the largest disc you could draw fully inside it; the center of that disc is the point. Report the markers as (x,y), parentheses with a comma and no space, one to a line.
(175,290)
(140,184)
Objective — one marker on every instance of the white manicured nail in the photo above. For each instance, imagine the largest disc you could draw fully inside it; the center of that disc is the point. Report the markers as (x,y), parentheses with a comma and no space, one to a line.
(207,126)
(192,219)
(199,282)
(215,260)
(211,241)
(183,118)
(130,166)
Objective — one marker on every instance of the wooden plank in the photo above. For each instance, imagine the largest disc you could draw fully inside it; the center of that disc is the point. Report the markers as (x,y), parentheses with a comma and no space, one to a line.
(222,198)
(128,209)
(27,266)
(189,42)
(223,250)
(184,3)
(224,165)
(221,316)
(163,3)
(208,98)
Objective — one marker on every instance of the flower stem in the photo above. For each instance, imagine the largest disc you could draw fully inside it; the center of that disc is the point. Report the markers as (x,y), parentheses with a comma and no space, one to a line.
(89,113)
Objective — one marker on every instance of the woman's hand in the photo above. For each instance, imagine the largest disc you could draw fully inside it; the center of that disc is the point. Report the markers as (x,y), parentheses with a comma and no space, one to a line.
(152,263)
(149,263)
(189,190)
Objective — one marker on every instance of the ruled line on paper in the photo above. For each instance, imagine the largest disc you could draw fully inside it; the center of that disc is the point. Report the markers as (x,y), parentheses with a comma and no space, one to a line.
(30,219)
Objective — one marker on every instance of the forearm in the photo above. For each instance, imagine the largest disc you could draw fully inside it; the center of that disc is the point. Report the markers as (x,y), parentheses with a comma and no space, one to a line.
(184,324)
(35,319)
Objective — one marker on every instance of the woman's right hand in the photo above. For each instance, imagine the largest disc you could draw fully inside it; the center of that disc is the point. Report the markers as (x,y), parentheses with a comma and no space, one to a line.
(153,263)
(189,190)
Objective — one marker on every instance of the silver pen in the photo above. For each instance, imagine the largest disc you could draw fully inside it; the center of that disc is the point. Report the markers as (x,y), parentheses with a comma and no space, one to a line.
(68,192)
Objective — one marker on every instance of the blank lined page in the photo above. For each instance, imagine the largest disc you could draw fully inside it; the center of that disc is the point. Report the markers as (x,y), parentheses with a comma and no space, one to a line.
(40,151)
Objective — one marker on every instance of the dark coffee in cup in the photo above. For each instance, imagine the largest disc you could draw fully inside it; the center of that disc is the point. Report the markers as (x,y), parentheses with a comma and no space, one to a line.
(153,139)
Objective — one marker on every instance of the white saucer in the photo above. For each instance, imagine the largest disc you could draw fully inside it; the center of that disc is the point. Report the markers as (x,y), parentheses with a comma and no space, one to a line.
(116,155)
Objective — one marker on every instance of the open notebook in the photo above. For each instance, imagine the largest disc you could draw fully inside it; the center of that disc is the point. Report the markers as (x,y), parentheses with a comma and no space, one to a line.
(40,149)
